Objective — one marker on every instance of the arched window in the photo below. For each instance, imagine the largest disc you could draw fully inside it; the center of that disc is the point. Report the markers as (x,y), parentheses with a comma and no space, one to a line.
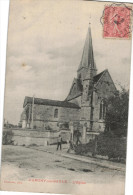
(56,113)
(102,113)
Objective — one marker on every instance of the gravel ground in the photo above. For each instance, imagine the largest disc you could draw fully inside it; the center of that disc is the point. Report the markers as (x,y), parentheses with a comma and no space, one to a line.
(21,164)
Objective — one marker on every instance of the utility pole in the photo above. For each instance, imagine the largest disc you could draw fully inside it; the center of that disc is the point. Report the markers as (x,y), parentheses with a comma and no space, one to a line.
(32,125)
(91,113)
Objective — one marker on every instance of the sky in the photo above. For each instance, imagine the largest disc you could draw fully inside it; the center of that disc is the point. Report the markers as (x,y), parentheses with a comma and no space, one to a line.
(44,49)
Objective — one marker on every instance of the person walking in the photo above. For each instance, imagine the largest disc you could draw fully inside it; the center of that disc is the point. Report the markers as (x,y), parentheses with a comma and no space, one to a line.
(78,135)
(59,142)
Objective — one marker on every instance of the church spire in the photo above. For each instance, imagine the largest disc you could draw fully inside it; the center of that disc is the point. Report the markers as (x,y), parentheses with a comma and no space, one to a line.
(87,56)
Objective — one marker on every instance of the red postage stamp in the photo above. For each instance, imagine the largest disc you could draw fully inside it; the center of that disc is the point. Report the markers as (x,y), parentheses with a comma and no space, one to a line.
(116,22)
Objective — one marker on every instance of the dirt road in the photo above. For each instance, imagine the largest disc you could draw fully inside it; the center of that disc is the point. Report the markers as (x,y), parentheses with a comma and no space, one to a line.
(22,164)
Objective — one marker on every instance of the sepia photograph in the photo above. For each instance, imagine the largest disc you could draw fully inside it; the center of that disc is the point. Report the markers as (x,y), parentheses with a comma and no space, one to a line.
(66,98)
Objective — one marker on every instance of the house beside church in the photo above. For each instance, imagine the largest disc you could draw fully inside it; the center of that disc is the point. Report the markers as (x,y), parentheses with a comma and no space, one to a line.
(85,104)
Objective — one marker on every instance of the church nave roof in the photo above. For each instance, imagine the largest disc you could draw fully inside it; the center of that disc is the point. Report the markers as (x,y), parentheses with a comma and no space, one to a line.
(39,101)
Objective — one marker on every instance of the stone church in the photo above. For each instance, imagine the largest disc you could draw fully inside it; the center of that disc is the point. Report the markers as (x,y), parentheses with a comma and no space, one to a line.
(85,104)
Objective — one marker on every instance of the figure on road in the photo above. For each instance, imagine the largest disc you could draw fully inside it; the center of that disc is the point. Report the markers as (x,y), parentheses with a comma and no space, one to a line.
(59,142)
(77,135)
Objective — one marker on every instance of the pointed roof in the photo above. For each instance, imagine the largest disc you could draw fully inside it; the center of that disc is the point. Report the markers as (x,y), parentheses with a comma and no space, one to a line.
(76,89)
(87,56)
(98,76)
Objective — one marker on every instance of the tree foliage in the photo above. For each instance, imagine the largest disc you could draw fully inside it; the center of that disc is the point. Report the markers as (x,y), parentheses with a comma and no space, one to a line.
(117,113)
(7,137)
(111,146)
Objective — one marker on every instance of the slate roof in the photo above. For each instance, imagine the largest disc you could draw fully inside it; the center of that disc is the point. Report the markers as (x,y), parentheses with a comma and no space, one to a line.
(98,76)
(57,103)
(78,89)
(88,55)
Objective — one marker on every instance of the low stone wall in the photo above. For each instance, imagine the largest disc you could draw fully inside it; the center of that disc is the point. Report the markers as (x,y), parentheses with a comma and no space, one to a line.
(27,141)
(65,134)
(35,137)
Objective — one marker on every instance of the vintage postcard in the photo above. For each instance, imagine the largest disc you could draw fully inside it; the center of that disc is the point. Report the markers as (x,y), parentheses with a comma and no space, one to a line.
(66,97)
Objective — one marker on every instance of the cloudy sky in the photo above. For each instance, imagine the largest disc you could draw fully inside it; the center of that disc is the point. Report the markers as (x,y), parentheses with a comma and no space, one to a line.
(45,44)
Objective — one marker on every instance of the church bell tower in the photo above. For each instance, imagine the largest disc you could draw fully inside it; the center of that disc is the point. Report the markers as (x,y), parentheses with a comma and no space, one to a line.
(87,68)
(86,71)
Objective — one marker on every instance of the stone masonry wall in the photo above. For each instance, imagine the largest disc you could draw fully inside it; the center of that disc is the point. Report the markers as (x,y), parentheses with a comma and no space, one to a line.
(44,116)
(39,138)
(105,89)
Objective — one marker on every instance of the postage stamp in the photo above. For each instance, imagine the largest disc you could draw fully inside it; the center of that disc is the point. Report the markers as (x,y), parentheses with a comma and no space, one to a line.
(116,22)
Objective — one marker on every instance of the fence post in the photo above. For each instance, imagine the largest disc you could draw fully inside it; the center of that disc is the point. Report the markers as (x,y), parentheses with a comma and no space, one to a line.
(71,131)
(95,147)
(84,133)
